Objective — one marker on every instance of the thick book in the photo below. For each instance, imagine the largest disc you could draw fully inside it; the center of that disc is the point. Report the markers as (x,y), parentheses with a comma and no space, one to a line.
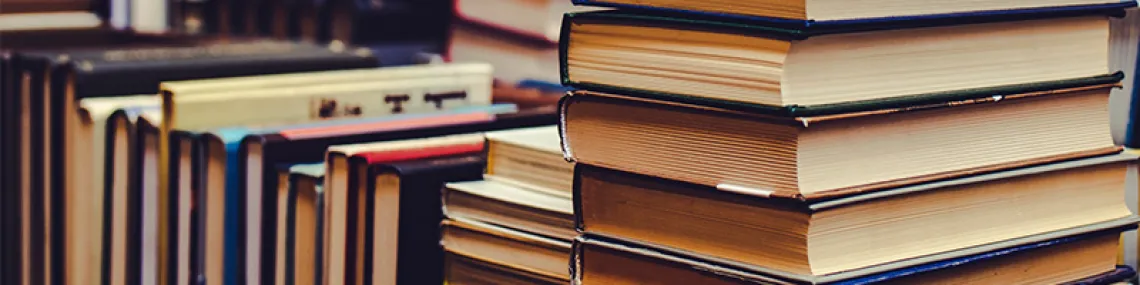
(307,145)
(511,206)
(881,148)
(747,63)
(828,14)
(1050,258)
(530,158)
(404,241)
(505,246)
(812,238)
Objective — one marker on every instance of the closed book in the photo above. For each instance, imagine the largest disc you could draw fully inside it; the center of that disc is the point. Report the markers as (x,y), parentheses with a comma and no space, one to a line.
(1051,258)
(801,156)
(307,145)
(404,240)
(147,185)
(829,14)
(91,194)
(511,206)
(504,246)
(460,270)
(751,63)
(813,238)
(530,158)
(306,238)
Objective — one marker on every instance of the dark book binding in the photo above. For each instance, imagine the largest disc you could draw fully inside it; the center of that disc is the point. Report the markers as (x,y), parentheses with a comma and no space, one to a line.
(873,23)
(753,29)
(1122,273)
(277,148)
(879,274)
(420,256)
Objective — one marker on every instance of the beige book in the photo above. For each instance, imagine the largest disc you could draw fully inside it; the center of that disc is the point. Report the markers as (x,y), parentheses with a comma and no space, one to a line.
(813,157)
(820,238)
(510,206)
(461,270)
(511,248)
(772,67)
(87,192)
(307,230)
(531,158)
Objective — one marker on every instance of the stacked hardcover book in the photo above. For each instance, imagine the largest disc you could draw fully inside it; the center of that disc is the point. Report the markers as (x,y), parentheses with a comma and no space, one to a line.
(844,142)
(516,225)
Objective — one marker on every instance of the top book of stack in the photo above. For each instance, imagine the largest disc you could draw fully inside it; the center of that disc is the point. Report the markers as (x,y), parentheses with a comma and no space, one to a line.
(845,12)
(816,70)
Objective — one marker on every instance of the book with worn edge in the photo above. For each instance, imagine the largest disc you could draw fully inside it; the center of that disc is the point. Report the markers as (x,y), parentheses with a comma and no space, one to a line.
(873,274)
(865,23)
(419,255)
(280,147)
(805,122)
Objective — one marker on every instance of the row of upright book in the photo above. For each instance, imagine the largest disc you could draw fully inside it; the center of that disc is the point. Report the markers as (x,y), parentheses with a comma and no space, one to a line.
(847,142)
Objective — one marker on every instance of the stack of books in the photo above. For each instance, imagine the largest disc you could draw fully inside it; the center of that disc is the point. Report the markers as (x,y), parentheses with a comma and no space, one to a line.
(819,143)
(516,225)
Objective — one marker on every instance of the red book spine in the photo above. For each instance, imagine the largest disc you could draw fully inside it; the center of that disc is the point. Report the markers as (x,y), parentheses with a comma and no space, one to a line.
(421,153)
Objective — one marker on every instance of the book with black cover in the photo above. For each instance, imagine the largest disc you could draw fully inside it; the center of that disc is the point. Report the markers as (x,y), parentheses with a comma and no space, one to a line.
(418,257)
(294,148)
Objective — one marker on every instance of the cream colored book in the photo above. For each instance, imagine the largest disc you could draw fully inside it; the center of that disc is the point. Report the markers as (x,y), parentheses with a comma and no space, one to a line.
(87,190)
(531,158)
(507,247)
(510,206)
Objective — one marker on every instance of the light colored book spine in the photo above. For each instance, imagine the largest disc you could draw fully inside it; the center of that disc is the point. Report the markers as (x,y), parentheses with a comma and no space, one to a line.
(1124,38)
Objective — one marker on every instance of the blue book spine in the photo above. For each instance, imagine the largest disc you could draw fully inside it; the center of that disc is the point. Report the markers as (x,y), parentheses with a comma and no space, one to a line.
(233,206)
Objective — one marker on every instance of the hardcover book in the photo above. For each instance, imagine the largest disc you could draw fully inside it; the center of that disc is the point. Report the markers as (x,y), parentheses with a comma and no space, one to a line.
(404,240)
(510,206)
(825,13)
(812,238)
(1079,255)
(530,158)
(460,270)
(521,250)
(742,62)
(878,147)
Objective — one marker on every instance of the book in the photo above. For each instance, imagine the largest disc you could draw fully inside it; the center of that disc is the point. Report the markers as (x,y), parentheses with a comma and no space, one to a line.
(460,270)
(749,63)
(96,208)
(307,222)
(516,249)
(405,240)
(813,238)
(1041,259)
(147,185)
(721,147)
(349,165)
(530,157)
(510,206)
(826,14)
(307,145)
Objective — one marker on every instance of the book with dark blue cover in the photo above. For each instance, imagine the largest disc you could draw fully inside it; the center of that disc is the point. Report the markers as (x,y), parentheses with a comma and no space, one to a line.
(868,23)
